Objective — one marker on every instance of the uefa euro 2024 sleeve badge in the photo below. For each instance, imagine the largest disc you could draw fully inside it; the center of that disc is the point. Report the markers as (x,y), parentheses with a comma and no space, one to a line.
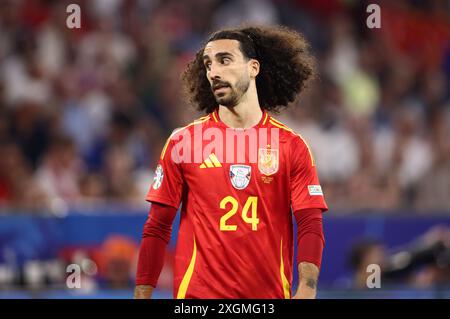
(159,174)
(240,176)
(268,160)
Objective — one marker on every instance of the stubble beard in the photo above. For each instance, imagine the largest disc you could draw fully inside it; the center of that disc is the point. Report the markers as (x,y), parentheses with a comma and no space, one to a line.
(233,98)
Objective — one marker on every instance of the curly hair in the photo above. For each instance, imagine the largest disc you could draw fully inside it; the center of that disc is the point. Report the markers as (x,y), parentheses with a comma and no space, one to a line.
(285,66)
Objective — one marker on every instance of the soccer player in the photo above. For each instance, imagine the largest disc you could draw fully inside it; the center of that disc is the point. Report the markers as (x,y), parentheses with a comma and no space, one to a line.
(235,237)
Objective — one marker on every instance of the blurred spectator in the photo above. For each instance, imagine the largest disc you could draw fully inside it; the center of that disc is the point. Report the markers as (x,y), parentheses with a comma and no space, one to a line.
(117,259)
(422,263)
(364,253)
(59,173)
(433,192)
(31,129)
(92,188)
(121,185)
(251,11)
(18,189)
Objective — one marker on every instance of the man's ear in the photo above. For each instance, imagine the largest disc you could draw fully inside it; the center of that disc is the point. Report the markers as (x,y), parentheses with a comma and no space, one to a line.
(254,68)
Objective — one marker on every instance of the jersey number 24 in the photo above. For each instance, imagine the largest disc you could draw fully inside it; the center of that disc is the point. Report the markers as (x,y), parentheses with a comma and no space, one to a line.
(250,205)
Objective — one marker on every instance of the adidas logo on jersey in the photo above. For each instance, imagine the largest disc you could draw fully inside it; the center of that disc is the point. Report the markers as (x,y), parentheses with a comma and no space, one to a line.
(211,162)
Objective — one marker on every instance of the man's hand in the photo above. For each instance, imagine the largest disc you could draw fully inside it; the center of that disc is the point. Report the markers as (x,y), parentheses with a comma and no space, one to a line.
(308,275)
(143,292)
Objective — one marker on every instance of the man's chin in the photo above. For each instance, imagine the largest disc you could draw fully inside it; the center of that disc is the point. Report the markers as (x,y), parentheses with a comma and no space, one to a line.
(226,99)
(225,102)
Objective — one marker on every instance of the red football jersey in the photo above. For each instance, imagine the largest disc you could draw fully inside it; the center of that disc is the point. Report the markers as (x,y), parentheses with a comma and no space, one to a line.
(237,188)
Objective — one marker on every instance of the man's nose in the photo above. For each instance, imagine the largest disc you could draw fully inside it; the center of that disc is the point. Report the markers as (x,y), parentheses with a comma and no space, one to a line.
(214,72)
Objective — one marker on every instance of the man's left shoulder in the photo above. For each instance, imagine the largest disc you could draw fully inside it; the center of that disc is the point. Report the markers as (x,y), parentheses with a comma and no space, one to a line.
(287,134)
(296,145)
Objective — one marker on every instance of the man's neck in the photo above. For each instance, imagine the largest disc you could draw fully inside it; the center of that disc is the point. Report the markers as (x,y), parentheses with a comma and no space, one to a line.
(244,115)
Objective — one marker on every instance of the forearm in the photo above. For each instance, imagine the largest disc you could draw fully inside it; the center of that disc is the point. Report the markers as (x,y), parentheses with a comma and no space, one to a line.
(310,247)
(155,238)
(143,292)
(150,264)
(308,275)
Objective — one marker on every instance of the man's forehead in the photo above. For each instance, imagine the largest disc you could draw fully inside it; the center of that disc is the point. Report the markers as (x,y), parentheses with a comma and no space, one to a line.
(222,45)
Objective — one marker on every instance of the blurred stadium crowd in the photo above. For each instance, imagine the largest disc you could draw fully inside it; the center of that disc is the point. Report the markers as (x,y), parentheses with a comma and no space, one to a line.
(85,112)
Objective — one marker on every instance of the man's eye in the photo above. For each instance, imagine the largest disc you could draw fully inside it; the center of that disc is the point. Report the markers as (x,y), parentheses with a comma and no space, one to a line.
(225,60)
(208,65)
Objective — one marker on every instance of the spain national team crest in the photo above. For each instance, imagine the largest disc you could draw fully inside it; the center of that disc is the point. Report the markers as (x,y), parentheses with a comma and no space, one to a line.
(240,175)
(268,161)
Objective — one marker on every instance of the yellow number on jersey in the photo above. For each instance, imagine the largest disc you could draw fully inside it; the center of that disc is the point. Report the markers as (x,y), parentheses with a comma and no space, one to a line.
(233,210)
(250,204)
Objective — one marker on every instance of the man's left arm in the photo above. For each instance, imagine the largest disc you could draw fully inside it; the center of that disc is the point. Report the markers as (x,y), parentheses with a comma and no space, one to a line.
(310,243)
(308,274)
(308,204)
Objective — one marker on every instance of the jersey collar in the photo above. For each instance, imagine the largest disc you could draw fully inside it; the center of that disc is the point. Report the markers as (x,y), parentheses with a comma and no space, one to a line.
(262,122)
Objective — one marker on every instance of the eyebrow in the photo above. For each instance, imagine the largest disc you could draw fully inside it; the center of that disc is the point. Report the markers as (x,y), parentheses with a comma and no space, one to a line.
(219,55)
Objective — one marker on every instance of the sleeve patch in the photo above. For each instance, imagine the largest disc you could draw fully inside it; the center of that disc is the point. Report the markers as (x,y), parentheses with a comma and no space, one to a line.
(159,175)
(315,190)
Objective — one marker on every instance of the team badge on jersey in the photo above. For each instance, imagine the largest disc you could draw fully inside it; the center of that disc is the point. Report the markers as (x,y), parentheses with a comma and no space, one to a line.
(159,174)
(268,161)
(240,175)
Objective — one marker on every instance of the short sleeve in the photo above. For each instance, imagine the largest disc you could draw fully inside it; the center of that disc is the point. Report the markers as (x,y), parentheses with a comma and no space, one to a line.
(306,191)
(168,183)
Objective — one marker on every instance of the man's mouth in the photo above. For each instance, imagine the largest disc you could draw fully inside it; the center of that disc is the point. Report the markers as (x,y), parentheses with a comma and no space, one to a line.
(219,86)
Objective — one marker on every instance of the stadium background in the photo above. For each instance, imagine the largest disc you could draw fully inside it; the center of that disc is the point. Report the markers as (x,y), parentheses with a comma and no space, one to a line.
(84,114)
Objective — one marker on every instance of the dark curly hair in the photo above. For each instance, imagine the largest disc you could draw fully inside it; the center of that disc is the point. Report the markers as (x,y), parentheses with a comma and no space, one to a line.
(285,66)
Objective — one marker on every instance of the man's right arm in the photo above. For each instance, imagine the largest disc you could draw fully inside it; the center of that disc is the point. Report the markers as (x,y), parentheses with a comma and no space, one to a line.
(155,237)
